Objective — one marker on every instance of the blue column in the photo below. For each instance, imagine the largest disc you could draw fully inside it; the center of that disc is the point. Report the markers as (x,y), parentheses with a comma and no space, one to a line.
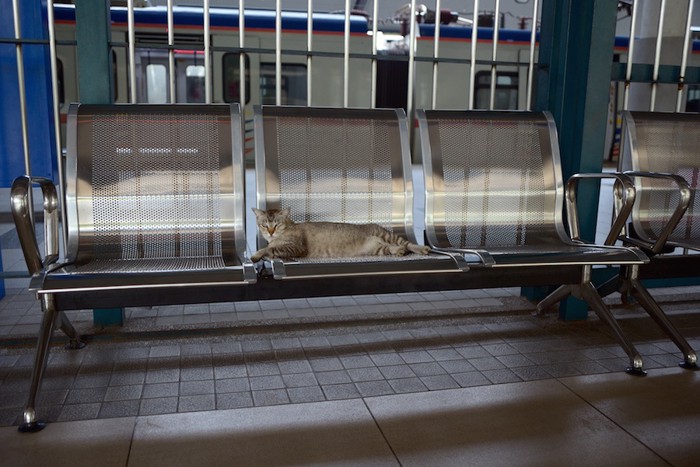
(573,82)
(37,80)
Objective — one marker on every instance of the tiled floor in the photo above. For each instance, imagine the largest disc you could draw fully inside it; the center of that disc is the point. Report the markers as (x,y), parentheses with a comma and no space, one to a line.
(442,379)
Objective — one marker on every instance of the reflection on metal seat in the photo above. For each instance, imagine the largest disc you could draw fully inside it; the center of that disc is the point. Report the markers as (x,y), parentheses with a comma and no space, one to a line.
(494,192)
(154,214)
(340,165)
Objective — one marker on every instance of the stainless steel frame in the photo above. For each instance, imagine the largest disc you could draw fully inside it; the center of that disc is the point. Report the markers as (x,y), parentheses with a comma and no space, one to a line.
(661,149)
(494,194)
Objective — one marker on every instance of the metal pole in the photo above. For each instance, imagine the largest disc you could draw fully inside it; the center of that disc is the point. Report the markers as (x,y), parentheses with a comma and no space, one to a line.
(436,53)
(132,52)
(657,56)
(171,53)
(411,61)
(472,63)
(494,53)
(56,114)
(309,47)
(241,56)
(373,92)
(278,52)
(207,54)
(22,90)
(346,56)
(531,60)
(630,54)
(684,59)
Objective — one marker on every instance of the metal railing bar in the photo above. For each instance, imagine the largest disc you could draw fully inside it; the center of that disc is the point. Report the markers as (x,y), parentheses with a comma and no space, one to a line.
(684,58)
(472,64)
(657,55)
(131,50)
(207,54)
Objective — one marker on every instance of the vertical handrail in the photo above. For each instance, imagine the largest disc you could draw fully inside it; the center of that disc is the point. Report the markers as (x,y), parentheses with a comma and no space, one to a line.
(22,89)
(531,59)
(494,53)
(278,52)
(171,53)
(309,48)
(207,54)
(684,58)
(241,55)
(346,55)
(630,55)
(472,59)
(436,53)
(657,56)
(373,92)
(411,63)
(131,44)
(56,113)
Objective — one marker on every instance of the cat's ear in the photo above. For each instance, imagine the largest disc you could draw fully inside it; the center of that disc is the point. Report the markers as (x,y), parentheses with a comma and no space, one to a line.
(285,212)
(258,212)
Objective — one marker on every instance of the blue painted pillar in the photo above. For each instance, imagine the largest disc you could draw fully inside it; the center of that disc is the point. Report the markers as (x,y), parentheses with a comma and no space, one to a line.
(37,81)
(573,82)
(92,32)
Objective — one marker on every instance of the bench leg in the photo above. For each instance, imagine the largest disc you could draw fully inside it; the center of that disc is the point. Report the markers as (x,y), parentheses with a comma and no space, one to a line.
(640,293)
(553,298)
(65,325)
(30,423)
(591,296)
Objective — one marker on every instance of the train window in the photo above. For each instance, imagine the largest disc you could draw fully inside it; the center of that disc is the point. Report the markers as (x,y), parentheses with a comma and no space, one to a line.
(506,90)
(156,84)
(293,84)
(194,76)
(232,77)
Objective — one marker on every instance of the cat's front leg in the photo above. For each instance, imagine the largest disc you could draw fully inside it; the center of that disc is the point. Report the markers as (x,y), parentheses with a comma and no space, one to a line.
(260,254)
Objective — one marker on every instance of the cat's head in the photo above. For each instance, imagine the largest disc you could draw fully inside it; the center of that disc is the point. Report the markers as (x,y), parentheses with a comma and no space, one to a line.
(273,222)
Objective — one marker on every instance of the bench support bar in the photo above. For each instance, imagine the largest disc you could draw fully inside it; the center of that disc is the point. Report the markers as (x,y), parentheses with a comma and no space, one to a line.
(587,291)
(51,318)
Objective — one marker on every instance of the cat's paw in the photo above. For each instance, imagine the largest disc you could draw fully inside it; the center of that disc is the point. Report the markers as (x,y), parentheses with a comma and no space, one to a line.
(398,250)
(258,255)
(419,249)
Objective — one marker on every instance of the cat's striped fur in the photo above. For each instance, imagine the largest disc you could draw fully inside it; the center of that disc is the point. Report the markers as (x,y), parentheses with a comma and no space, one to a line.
(287,239)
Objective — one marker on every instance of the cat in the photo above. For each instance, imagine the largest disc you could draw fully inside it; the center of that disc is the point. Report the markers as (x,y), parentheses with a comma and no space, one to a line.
(287,239)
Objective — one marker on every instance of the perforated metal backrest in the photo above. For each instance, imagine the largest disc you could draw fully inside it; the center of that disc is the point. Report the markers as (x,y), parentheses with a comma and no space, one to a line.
(154,182)
(493,179)
(335,165)
(666,143)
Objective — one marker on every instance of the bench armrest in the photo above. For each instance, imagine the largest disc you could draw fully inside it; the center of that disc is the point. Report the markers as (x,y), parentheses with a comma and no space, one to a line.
(685,196)
(21,212)
(624,202)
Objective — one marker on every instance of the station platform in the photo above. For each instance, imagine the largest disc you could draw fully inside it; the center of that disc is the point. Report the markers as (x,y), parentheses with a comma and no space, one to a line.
(444,378)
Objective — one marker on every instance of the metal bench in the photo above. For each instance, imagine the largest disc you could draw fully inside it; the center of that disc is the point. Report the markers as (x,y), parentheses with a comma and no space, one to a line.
(661,151)
(154,214)
(494,192)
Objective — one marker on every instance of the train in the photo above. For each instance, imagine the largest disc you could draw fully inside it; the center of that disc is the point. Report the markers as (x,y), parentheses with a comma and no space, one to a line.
(326,75)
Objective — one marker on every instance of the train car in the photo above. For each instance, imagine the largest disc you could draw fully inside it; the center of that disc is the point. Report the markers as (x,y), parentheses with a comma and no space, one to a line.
(327,72)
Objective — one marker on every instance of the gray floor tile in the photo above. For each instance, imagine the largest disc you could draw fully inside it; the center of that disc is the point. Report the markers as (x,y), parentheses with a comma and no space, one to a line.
(325,433)
(94,442)
(483,426)
(658,410)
